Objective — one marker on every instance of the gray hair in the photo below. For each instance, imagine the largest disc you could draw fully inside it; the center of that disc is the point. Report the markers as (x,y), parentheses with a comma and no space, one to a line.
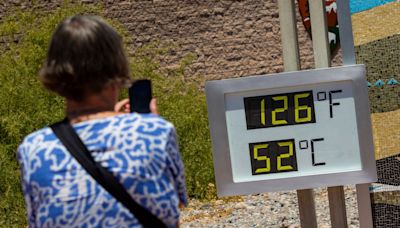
(85,54)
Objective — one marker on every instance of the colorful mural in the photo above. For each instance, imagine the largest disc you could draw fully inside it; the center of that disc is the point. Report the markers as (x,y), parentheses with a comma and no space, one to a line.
(357,6)
(333,27)
(377,44)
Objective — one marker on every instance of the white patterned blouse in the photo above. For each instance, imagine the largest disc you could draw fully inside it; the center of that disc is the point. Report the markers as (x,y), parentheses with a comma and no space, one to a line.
(139,149)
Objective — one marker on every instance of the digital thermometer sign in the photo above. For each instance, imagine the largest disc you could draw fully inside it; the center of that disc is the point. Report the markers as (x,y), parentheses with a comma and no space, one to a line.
(291,130)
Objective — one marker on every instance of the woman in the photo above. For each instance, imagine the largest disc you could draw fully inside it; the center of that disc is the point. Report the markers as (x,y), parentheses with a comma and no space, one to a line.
(86,65)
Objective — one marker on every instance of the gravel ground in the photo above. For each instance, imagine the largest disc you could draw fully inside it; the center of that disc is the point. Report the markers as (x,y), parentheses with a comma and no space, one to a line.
(278,209)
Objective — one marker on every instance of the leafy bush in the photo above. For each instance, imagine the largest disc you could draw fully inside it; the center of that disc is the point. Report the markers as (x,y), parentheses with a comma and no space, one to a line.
(26,106)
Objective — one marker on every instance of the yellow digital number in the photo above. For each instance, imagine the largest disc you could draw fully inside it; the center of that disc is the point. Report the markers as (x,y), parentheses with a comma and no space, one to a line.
(263,111)
(277,110)
(281,167)
(262,158)
(298,108)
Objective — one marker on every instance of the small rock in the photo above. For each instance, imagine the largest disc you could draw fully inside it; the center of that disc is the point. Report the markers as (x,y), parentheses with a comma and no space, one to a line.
(219,202)
(205,206)
(240,205)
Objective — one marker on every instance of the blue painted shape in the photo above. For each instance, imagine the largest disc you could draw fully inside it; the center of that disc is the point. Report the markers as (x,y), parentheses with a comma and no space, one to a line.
(362,5)
(379,83)
(368,84)
(392,81)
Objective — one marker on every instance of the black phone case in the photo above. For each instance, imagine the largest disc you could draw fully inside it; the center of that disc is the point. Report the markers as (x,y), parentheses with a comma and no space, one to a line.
(140,95)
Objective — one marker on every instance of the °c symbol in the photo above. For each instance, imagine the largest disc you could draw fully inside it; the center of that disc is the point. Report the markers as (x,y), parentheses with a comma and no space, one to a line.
(303,144)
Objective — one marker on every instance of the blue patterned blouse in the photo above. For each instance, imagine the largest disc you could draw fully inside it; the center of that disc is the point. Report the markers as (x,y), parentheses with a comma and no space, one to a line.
(140,150)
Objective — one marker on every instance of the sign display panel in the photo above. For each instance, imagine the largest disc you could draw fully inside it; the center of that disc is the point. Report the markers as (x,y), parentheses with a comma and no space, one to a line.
(291,131)
(322,131)
(279,110)
(273,157)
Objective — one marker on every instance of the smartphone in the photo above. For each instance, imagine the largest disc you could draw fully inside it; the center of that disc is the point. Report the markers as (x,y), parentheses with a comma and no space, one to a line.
(140,96)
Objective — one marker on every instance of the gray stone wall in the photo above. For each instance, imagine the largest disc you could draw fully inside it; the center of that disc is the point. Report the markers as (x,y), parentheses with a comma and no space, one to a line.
(229,38)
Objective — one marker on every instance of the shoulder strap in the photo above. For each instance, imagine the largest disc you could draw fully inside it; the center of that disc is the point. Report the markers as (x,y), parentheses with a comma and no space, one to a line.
(67,135)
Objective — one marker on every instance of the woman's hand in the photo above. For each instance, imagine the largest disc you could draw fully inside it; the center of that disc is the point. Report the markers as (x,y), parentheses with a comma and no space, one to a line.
(153,106)
(124,106)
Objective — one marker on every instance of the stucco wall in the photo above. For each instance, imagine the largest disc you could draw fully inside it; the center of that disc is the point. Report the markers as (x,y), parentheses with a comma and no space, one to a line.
(228,38)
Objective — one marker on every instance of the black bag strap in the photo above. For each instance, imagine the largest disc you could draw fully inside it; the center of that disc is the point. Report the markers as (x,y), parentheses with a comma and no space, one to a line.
(67,135)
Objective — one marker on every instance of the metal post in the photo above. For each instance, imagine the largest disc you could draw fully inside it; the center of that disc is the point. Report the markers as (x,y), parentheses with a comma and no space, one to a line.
(288,26)
(319,33)
(291,59)
(337,207)
(347,43)
(321,49)
(364,206)
(346,32)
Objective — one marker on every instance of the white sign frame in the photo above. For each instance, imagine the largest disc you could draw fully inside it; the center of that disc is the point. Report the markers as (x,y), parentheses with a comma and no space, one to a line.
(215,95)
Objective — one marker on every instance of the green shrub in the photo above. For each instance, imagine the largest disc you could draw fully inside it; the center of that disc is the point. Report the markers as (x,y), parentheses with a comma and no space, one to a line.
(26,106)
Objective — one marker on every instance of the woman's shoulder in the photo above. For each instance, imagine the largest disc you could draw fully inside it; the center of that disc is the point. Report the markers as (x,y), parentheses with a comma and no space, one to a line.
(141,122)
(149,124)
(145,124)
(155,119)
(129,119)
(40,136)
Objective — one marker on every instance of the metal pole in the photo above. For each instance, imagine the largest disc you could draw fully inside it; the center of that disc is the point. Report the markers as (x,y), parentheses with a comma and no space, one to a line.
(346,32)
(288,26)
(364,206)
(348,54)
(291,59)
(319,33)
(321,49)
